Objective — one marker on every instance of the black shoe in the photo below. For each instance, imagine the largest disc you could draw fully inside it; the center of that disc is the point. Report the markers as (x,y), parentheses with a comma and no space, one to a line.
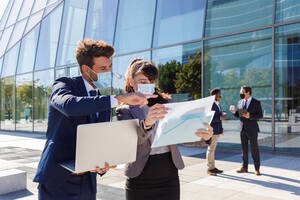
(216,170)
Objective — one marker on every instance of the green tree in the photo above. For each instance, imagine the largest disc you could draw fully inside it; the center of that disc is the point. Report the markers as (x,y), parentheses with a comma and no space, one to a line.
(167,75)
(188,79)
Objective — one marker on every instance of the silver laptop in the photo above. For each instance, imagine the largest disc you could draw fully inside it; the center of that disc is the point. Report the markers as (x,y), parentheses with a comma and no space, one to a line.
(97,143)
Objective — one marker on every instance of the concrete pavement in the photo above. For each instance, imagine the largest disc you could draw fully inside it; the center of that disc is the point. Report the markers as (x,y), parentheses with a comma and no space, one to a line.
(280,173)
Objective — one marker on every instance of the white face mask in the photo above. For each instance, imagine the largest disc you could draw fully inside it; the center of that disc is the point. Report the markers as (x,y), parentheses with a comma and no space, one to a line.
(146,88)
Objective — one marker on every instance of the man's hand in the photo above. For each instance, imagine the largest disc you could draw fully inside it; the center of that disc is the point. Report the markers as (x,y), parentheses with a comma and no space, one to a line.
(136,98)
(205,134)
(105,169)
(247,115)
(223,117)
(156,112)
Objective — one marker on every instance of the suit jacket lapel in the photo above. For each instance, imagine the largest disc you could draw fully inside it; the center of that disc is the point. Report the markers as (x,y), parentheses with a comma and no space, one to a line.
(82,90)
(251,104)
(81,86)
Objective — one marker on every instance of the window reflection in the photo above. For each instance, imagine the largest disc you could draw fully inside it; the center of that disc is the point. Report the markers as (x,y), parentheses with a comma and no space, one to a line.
(48,40)
(27,52)
(134,26)
(241,60)
(180,71)
(24,102)
(178,21)
(43,81)
(11,61)
(287,87)
(101,20)
(287,10)
(72,30)
(8,103)
(236,15)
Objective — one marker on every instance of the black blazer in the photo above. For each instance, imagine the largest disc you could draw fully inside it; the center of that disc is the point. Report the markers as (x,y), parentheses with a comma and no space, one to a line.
(216,122)
(255,111)
(69,107)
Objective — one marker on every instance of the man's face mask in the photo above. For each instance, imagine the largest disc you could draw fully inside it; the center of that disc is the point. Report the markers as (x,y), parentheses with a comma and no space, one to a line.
(104,80)
(242,96)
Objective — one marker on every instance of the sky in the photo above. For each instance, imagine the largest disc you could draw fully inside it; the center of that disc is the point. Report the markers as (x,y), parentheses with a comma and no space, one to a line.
(3,4)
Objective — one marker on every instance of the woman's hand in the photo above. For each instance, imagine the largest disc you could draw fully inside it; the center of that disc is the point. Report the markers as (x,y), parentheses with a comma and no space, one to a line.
(205,134)
(135,98)
(156,112)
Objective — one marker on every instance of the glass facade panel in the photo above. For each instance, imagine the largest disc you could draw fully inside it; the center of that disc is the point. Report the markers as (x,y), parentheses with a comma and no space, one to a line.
(48,40)
(43,81)
(235,61)
(180,71)
(134,25)
(1,62)
(67,71)
(101,14)
(10,61)
(287,10)
(51,7)
(26,8)
(27,51)
(14,12)
(178,21)
(38,5)
(72,31)
(119,68)
(5,39)
(17,33)
(5,14)
(8,103)
(236,15)
(33,21)
(24,102)
(287,88)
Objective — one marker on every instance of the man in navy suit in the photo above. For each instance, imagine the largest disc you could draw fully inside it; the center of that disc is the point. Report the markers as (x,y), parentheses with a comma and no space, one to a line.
(216,123)
(249,127)
(76,101)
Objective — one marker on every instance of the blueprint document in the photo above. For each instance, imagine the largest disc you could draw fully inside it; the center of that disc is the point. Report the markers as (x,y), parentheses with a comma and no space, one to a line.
(182,121)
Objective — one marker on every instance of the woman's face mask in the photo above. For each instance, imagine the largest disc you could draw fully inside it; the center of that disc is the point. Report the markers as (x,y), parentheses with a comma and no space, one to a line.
(146,88)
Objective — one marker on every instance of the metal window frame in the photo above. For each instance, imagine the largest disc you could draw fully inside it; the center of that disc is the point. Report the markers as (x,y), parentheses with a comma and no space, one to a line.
(273,76)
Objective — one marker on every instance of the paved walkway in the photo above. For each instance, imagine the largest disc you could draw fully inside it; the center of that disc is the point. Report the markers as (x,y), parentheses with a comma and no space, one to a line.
(280,173)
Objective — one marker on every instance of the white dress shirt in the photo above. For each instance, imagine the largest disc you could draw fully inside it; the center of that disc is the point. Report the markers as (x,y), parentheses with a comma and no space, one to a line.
(88,87)
(248,102)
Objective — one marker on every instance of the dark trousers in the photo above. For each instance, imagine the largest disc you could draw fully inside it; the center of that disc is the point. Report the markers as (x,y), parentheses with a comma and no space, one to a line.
(252,137)
(158,181)
(77,187)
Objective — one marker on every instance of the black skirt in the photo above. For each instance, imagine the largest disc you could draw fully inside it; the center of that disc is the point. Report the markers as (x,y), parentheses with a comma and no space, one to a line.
(158,181)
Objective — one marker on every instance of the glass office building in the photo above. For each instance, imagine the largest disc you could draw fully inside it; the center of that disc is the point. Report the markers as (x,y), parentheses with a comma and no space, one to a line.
(196,44)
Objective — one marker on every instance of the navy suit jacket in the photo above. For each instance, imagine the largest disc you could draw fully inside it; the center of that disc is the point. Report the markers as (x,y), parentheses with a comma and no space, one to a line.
(216,122)
(69,106)
(255,110)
